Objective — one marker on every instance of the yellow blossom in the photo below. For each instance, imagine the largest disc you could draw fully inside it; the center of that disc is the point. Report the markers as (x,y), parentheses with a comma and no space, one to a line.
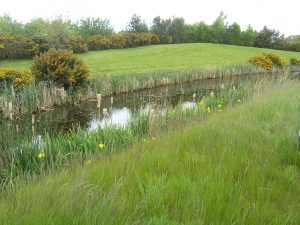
(101,146)
(41,155)
(208,109)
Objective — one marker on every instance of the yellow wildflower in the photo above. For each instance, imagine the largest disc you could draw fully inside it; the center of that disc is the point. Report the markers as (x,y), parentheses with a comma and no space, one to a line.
(101,146)
(208,109)
(41,155)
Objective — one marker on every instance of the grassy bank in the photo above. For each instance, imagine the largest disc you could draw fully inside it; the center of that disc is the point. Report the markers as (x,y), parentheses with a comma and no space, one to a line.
(162,57)
(240,166)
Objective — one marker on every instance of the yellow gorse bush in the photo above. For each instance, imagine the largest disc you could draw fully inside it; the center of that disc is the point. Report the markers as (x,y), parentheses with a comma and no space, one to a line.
(267,61)
(15,77)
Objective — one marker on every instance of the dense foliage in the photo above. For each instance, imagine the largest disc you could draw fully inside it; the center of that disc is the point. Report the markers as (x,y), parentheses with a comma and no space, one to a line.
(60,66)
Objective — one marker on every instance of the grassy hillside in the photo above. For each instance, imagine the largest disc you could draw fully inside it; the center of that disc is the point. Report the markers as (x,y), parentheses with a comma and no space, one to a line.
(162,57)
(238,167)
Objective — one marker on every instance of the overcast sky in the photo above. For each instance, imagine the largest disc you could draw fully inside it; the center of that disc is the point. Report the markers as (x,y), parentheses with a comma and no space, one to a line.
(279,15)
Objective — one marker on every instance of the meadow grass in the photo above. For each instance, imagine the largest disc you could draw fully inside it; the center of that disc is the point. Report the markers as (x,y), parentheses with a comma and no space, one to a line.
(240,166)
(162,57)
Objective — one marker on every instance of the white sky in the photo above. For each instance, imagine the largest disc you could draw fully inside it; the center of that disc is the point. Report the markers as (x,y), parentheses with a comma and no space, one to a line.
(279,15)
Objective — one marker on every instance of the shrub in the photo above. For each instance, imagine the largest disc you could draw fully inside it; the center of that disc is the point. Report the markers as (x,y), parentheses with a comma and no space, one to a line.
(118,40)
(295,61)
(262,61)
(15,77)
(276,59)
(267,60)
(76,44)
(60,66)
(15,47)
(98,42)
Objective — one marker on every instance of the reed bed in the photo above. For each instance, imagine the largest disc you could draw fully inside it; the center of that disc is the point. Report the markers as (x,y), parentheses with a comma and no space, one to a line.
(45,96)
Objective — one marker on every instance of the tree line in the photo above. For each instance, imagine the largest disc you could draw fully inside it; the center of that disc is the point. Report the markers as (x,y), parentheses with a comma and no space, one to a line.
(24,40)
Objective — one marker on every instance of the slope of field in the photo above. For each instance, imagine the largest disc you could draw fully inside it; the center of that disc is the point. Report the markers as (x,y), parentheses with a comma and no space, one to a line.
(162,57)
(238,167)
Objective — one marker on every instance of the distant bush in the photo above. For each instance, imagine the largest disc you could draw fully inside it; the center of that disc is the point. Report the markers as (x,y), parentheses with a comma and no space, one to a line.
(295,61)
(98,42)
(118,41)
(262,61)
(76,44)
(15,47)
(267,60)
(60,66)
(15,77)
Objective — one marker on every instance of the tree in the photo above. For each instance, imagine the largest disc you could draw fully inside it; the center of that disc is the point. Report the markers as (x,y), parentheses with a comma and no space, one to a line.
(177,29)
(248,36)
(136,25)
(268,38)
(233,35)
(90,26)
(8,25)
(218,29)
(161,28)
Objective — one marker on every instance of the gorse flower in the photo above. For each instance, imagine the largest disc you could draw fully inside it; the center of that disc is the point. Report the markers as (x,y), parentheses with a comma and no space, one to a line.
(41,155)
(101,146)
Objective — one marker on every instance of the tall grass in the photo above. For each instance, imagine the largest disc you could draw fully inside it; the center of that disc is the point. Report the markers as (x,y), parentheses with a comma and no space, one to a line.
(240,166)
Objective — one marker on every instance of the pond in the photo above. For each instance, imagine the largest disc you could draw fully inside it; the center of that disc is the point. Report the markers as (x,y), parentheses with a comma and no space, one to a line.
(118,109)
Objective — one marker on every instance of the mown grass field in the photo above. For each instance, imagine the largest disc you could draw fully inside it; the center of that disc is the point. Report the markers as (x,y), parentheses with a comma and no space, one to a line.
(240,166)
(162,57)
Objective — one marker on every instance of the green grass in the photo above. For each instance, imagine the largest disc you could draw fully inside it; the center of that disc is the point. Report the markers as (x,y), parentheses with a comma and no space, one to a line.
(238,167)
(162,57)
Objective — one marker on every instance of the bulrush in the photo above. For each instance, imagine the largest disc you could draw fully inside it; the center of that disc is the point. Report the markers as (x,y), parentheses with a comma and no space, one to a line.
(98,100)
(104,112)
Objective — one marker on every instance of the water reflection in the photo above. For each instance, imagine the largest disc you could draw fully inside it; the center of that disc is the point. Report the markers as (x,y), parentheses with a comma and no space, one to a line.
(116,117)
